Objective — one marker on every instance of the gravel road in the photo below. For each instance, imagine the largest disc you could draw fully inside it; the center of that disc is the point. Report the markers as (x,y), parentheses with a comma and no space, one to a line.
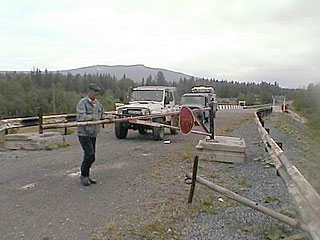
(41,197)
(251,179)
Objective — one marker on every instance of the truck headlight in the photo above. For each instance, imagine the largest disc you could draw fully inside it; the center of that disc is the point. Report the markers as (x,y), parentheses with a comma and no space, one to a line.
(146,112)
(119,111)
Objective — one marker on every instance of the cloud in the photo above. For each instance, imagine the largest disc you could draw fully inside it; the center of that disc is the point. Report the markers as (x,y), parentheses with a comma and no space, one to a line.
(267,40)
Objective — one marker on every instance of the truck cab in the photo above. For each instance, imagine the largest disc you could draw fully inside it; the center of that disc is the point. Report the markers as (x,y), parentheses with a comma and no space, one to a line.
(146,100)
(199,98)
(197,101)
(206,90)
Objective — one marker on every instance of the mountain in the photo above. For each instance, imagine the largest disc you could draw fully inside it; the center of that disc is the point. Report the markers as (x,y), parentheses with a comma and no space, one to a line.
(134,72)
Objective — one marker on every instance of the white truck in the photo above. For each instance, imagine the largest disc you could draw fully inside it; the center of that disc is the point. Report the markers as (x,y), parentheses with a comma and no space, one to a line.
(147,100)
(199,98)
(209,91)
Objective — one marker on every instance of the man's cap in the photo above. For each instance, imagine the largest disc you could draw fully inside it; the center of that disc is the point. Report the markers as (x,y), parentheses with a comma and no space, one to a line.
(94,87)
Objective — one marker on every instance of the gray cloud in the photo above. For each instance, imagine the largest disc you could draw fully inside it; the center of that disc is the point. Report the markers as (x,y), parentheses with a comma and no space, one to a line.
(249,40)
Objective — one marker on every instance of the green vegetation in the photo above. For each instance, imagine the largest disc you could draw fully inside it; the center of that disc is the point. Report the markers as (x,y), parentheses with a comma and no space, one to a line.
(25,94)
(63,145)
(307,103)
(277,232)
(307,142)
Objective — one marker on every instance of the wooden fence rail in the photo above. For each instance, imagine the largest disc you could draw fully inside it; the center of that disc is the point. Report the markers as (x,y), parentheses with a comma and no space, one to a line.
(306,198)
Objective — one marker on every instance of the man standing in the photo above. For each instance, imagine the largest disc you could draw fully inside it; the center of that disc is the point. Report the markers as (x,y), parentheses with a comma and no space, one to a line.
(89,109)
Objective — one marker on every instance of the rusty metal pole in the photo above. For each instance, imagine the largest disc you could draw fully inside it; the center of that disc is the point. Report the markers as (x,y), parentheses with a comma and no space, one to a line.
(213,108)
(66,129)
(194,178)
(211,121)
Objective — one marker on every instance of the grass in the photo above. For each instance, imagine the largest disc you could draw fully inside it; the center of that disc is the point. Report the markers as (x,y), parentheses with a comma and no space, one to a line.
(270,199)
(234,124)
(277,232)
(63,145)
(308,143)
(242,181)
(70,131)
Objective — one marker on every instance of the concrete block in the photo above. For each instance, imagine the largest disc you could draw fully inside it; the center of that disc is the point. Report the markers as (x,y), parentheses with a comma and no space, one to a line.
(221,149)
(34,141)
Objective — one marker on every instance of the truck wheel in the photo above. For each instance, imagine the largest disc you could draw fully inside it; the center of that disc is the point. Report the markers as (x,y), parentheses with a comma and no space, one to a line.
(158,133)
(142,130)
(121,130)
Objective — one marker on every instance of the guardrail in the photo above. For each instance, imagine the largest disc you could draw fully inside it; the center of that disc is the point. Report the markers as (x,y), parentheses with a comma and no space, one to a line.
(53,119)
(7,124)
(306,198)
(228,106)
(258,106)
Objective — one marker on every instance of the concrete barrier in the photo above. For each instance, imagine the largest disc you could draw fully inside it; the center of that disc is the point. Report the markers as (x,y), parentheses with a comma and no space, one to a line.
(221,149)
(34,141)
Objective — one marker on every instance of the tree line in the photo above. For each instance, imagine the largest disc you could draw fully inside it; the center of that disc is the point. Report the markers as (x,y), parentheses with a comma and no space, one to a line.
(26,94)
(307,103)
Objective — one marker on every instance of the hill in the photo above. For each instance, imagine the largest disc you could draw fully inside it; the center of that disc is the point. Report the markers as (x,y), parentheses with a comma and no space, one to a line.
(134,72)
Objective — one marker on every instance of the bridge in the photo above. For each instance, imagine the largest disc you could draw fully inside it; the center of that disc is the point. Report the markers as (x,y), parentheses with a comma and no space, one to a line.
(141,190)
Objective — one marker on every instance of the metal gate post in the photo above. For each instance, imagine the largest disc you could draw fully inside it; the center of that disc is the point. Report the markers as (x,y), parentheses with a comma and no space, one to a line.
(194,178)
(39,110)
(213,108)
(65,129)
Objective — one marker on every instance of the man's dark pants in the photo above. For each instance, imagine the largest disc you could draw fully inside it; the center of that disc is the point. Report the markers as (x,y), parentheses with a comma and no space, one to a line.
(89,148)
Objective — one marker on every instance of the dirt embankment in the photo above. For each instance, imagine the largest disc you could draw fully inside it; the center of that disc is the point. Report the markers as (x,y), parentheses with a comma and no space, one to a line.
(301,144)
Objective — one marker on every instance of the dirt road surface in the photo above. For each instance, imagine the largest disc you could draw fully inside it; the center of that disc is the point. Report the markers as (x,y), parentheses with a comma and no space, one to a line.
(41,196)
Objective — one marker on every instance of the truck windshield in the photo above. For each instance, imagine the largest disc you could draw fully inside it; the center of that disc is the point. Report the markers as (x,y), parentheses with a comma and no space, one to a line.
(193,100)
(147,95)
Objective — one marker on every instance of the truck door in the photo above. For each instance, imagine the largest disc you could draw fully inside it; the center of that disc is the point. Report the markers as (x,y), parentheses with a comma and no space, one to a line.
(168,100)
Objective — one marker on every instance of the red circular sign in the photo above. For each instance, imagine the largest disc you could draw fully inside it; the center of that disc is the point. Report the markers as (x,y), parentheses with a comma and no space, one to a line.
(186,120)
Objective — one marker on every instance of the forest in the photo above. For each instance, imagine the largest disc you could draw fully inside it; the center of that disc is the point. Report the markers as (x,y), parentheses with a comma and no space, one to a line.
(307,103)
(27,94)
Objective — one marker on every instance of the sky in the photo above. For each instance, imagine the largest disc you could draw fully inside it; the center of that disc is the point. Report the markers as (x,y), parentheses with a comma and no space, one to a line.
(240,40)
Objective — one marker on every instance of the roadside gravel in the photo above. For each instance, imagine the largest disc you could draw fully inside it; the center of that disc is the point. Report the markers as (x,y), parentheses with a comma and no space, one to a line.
(251,179)
(163,212)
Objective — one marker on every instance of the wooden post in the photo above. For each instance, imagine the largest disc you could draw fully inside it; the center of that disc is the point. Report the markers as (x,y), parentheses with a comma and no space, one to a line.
(66,129)
(39,109)
(40,123)
(194,178)
(234,196)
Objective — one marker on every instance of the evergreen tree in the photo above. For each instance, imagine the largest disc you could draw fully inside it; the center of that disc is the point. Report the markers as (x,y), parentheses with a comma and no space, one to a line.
(160,79)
